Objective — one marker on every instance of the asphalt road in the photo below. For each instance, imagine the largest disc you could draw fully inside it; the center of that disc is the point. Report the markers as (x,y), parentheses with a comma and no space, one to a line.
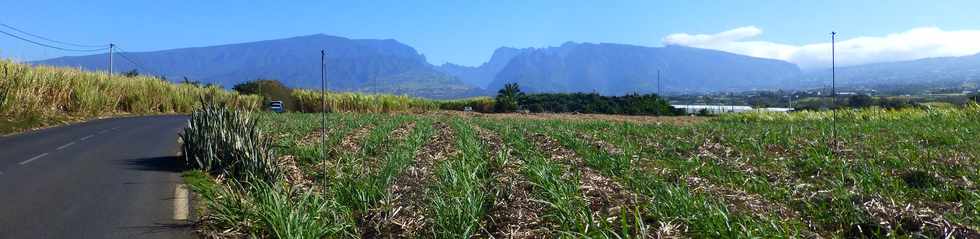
(110,178)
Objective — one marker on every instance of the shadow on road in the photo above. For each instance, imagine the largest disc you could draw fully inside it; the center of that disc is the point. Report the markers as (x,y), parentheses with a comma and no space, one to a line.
(165,164)
(163,230)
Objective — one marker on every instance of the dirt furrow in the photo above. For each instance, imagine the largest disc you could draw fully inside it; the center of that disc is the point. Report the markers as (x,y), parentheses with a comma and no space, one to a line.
(514,213)
(741,200)
(723,155)
(352,141)
(600,144)
(313,138)
(404,216)
(963,161)
(294,175)
(402,132)
(373,163)
(605,196)
(738,200)
(910,219)
(890,217)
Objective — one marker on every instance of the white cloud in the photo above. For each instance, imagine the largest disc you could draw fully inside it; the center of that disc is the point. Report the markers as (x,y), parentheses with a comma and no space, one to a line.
(913,44)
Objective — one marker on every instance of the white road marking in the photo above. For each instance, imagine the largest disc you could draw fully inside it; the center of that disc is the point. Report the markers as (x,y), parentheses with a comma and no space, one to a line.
(115,128)
(65,146)
(86,137)
(181,202)
(34,158)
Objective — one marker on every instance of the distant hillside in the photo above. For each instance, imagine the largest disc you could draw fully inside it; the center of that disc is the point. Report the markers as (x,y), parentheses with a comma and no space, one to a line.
(352,65)
(930,72)
(616,69)
(609,69)
(482,75)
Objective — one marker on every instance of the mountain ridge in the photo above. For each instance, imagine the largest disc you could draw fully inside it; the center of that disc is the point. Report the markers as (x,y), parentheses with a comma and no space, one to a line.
(352,65)
(616,69)
(390,66)
(930,72)
(483,74)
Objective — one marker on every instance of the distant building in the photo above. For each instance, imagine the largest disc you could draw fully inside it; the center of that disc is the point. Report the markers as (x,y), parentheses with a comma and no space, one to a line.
(724,109)
(777,109)
(713,109)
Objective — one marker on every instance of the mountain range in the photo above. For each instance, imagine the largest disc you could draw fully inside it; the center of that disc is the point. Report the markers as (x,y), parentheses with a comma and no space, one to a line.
(482,75)
(352,65)
(390,66)
(940,72)
(616,69)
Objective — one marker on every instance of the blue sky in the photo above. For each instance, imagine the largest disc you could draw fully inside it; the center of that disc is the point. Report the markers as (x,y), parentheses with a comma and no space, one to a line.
(467,32)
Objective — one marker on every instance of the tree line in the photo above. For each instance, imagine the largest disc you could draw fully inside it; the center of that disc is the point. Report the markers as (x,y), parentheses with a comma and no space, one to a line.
(511,99)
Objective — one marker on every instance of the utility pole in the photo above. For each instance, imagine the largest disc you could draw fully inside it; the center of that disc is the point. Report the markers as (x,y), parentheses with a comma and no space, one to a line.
(110,59)
(833,82)
(659,93)
(323,109)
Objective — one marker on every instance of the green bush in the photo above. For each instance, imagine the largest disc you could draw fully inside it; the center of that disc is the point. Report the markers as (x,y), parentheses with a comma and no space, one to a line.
(224,141)
(255,200)
(632,104)
(860,101)
(894,103)
(269,210)
(510,98)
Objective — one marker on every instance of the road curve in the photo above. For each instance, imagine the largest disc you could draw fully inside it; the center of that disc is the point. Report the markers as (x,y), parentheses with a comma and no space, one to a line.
(109,178)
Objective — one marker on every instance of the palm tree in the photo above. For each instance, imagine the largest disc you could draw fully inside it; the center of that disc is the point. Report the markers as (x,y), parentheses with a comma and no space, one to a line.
(508,98)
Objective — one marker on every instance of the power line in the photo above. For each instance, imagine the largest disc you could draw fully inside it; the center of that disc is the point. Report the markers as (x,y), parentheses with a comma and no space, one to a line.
(120,51)
(49,39)
(132,61)
(50,46)
(110,47)
(136,63)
